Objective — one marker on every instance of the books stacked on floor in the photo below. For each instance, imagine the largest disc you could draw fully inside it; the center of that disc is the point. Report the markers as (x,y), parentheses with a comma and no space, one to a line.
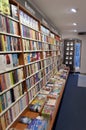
(38,102)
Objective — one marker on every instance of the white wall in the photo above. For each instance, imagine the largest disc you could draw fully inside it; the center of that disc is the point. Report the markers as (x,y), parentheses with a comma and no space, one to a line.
(83,50)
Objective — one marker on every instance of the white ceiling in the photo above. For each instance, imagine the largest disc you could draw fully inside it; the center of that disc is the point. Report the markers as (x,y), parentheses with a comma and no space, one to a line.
(58,11)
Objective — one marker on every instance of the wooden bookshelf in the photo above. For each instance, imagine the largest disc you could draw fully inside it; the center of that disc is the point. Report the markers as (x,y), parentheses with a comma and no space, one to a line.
(32,115)
(32,54)
(57,106)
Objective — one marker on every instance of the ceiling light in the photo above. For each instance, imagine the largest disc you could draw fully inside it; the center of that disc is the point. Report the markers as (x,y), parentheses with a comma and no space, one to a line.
(74,24)
(75,30)
(73,10)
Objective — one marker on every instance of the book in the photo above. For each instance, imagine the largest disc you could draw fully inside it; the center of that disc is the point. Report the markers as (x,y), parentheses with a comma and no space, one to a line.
(3,42)
(25,58)
(51,102)
(2,63)
(48,111)
(25,120)
(45,90)
(0,104)
(14,11)
(37,103)
(3,123)
(15,27)
(17,108)
(8,98)
(5,7)
(38,124)
(6,118)
(16,92)
(0,5)
(3,83)
(8,61)
(15,60)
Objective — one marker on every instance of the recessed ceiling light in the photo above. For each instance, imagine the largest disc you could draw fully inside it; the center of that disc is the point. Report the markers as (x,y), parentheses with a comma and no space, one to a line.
(75,30)
(74,24)
(73,10)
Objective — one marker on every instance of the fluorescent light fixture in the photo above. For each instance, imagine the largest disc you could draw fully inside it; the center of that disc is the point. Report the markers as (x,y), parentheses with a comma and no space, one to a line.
(74,24)
(73,10)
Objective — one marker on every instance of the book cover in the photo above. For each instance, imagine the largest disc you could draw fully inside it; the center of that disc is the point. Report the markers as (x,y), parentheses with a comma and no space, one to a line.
(28,83)
(6,118)
(37,103)
(25,58)
(28,58)
(5,102)
(21,89)
(16,92)
(17,110)
(15,27)
(13,112)
(25,120)
(6,7)
(8,98)
(15,60)
(3,123)
(11,26)
(8,45)
(51,102)
(8,61)
(21,16)
(3,43)
(0,104)
(9,116)
(0,5)
(14,11)
(2,63)
(3,82)
(20,74)
(7,80)
(3,24)
(38,124)
(14,77)
(12,95)
(7,23)
(47,111)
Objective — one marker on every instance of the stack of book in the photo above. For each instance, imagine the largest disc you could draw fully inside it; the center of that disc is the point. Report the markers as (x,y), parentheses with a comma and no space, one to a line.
(45,90)
(38,103)
(49,108)
(38,124)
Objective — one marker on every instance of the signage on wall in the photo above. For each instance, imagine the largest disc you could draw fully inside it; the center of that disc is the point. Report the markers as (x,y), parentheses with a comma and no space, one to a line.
(77,55)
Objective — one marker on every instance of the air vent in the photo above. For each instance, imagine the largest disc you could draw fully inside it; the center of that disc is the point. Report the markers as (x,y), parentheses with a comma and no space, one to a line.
(82,33)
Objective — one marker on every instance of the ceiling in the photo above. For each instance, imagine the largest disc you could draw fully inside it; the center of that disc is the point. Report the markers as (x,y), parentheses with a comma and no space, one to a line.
(58,11)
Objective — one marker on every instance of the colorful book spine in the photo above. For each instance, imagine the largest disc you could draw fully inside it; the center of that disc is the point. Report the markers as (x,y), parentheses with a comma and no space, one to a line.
(6,7)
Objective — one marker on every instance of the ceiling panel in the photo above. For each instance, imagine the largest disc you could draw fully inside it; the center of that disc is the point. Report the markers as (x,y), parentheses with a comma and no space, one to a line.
(58,11)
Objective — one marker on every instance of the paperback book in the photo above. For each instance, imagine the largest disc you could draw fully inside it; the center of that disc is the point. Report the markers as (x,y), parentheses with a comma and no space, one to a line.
(38,102)
(25,120)
(38,124)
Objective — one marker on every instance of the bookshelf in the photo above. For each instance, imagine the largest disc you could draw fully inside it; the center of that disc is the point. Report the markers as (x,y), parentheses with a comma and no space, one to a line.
(28,55)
